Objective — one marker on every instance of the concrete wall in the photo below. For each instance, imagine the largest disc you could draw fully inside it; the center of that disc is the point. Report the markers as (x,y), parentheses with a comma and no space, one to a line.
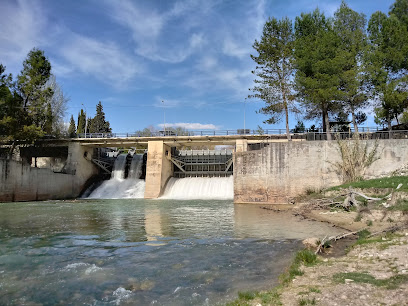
(21,182)
(281,171)
(158,169)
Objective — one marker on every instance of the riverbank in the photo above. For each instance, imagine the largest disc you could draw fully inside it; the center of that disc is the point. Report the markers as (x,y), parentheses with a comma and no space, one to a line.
(366,268)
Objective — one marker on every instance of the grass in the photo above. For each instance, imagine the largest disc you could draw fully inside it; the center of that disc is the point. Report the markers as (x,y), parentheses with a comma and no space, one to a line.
(385,182)
(307,302)
(401,205)
(390,283)
(272,297)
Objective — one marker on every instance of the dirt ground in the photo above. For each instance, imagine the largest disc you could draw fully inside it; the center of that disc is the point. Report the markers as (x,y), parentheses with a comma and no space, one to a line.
(350,274)
(382,260)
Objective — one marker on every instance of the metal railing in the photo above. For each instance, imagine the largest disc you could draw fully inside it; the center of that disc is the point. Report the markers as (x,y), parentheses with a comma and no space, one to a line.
(318,134)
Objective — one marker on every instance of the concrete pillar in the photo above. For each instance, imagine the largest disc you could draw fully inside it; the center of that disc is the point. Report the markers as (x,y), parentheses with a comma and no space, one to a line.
(158,169)
(241,145)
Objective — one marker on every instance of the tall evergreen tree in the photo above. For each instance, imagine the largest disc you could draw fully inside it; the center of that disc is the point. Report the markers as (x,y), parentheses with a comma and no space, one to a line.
(72,127)
(387,64)
(98,124)
(318,66)
(81,122)
(31,87)
(275,70)
(350,27)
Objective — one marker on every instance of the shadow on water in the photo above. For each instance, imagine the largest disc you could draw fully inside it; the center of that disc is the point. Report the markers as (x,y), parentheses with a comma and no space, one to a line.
(142,251)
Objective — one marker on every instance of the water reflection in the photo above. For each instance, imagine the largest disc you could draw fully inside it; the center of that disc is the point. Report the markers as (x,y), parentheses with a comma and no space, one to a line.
(137,251)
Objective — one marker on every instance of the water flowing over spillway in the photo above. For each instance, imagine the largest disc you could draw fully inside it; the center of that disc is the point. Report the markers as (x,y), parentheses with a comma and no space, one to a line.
(205,188)
(118,187)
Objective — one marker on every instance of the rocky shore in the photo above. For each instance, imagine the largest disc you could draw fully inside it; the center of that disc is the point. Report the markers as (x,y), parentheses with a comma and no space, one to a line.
(369,267)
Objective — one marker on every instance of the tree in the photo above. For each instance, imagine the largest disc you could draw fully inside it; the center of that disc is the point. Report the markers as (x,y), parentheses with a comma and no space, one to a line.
(299,127)
(274,70)
(58,102)
(387,65)
(318,66)
(31,86)
(81,122)
(98,124)
(72,127)
(350,27)
(400,10)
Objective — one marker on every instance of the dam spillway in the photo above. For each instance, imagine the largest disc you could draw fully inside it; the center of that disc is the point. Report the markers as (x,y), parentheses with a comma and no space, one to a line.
(200,188)
(118,186)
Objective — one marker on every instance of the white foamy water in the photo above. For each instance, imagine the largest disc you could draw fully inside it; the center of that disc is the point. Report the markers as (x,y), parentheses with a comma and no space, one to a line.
(204,188)
(120,188)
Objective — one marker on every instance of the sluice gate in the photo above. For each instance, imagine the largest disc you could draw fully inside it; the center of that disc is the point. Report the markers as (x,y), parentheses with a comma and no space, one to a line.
(202,163)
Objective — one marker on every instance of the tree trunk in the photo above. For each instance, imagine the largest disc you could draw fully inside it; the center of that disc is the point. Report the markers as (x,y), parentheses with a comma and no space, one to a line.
(327,123)
(287,123)
(389,127)
(353,118)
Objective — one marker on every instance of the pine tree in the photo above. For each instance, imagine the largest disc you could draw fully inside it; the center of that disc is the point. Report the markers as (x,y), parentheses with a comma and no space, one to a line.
(72,127)
(350,27)
(81,122)
(31,87)
(275,70)
(98,124)
(318,66)
(387,64)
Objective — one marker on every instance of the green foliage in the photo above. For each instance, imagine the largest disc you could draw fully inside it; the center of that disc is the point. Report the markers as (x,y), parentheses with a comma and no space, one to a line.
(401,205)
(274,70)
(356,157)
(72,127)
(31,87)
(299,127)
(30,107)
(99,124)
(350,27)
(247,295)
(260,130)
(318,63)
(385,182)
(307,302)
(387,62)
(81,122)
(392,282)
(314,290)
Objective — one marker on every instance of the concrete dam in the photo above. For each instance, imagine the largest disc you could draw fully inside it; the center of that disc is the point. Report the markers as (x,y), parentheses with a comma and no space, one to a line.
(252,169)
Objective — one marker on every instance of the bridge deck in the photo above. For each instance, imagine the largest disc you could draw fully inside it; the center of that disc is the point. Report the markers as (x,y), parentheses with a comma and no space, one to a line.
(175,141)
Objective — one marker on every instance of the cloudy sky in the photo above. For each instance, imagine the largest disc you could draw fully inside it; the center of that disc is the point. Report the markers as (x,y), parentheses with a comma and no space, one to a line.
(131,54)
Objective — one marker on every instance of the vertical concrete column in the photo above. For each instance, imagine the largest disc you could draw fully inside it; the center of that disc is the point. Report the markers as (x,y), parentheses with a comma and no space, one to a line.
(241,145)
(158,169)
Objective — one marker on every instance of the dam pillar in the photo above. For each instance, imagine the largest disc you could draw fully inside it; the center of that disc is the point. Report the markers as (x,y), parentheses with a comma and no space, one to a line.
(241,145)
(158,168)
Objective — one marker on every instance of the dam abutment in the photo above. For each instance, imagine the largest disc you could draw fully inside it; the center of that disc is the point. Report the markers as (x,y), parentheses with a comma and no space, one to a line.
(22,181)
(279,171)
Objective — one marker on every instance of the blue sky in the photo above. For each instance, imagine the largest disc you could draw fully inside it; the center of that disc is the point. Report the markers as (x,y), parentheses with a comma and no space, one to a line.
(194,55)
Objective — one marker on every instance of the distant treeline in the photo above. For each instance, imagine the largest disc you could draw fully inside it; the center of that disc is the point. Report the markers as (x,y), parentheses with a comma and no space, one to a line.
(334,67)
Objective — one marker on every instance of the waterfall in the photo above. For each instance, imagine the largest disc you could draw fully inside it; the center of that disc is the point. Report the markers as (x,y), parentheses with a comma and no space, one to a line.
(118,187)
(136,166)
(205,188)
(118,171)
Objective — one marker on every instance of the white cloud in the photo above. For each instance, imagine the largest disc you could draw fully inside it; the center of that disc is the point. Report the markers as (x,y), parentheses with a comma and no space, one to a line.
(191,126)
(103,60)
(150,29)
(233,48)
(22,26)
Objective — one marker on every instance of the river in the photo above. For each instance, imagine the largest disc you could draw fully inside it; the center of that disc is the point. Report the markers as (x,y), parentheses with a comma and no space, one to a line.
(141,252)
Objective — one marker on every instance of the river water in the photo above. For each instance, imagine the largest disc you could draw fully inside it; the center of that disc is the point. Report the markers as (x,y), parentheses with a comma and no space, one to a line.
(141,252)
